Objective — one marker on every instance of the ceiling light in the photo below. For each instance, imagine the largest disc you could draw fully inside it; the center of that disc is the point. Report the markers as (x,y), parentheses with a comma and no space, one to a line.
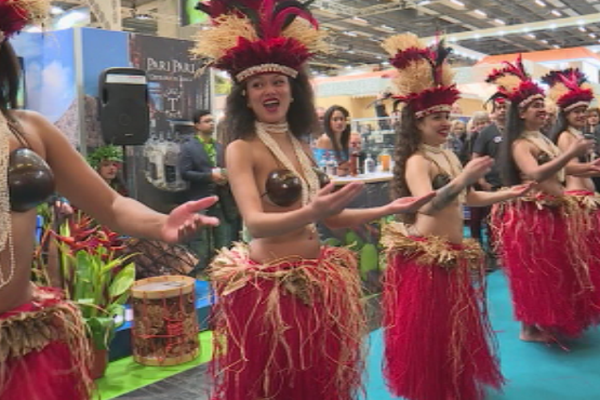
(501,33)
(350,33)
(479,12)
(582,29)
(540,3)
(557,13)
(56,10)
(424,3)
(33,29)
(385,63)
(477,36)
(389,28)
(552,26)
(556,46)
(544,41)
(361,20)
(592,36)
(458,3)
(580,22)
(530,35)
(499,21)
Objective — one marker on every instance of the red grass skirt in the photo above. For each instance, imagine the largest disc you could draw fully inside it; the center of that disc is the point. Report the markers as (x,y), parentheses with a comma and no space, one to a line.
(543,249)
(589,203)
(42,348)
(438,340)
(287,330)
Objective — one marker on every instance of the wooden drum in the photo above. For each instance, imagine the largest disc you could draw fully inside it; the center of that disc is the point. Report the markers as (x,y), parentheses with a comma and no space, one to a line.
(165,324)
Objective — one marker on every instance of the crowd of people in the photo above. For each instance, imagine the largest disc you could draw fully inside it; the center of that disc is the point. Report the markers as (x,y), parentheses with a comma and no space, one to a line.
(289,323)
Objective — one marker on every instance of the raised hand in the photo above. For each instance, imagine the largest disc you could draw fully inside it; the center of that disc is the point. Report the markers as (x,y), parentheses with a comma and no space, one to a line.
(476,169)
(328,202)
(184,221)
(409,205)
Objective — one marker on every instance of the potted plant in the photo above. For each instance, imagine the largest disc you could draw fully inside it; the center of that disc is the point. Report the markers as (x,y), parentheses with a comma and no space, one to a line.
(97,278)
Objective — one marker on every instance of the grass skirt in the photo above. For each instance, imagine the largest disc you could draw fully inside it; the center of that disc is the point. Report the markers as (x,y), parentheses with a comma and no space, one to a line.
(287,330)
(543,247)
(44,351)
(438,340)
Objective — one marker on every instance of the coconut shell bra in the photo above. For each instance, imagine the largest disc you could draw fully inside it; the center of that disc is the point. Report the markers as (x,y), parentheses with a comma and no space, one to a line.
(283,187)
(30,179)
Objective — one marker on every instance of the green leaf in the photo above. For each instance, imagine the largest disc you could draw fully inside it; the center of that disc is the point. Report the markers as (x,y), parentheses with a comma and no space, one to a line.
(123,281)
(101,331)
(369,260)
(354,241)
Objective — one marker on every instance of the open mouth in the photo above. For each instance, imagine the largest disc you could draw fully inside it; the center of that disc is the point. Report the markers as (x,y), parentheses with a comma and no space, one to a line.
(443,133)
(271,105)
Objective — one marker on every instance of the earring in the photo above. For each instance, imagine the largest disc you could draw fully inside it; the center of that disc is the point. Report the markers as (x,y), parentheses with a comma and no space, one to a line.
(292,100)
(244,92)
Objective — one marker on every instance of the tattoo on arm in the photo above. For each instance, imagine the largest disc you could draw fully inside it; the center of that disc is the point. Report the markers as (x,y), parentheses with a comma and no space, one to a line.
(444,197)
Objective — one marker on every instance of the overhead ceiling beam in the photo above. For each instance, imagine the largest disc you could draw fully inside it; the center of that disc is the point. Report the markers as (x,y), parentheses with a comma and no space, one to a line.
(521,29)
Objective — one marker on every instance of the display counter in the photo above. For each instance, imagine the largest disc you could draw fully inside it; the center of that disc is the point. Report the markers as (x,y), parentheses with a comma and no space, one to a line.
(363,239)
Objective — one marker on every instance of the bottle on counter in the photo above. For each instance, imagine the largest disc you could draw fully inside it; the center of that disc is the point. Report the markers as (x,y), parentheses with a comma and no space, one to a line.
(323,162)
(384,160)
(354,160)
(332,166)
(370,165)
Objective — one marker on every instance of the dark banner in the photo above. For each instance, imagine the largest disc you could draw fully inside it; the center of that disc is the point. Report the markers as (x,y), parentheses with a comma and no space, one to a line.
(176,89)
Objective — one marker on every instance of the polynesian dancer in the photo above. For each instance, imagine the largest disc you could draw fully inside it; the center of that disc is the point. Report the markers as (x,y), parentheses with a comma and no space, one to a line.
(289,324)
(572,94)
(44,352)
(438,341)
(538,235)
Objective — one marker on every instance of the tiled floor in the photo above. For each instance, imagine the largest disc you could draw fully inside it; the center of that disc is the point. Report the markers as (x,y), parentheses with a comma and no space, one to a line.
(189,385)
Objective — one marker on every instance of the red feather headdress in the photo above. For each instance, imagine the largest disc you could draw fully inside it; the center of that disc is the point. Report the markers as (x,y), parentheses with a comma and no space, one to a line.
(250,37)
(515,84)
(16,14)
(425,79)
(569,88)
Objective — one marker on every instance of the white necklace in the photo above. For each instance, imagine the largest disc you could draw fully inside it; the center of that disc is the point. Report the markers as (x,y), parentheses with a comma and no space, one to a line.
(308,178)
(6,238)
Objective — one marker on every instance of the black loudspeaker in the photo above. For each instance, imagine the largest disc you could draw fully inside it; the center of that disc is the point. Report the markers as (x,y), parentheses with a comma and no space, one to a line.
(124,113)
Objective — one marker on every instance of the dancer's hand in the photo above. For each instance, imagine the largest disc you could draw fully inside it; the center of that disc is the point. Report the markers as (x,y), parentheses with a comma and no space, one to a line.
(476,169)
(408,205)
(580,147)
(328,202)
(521,190)
(184,221)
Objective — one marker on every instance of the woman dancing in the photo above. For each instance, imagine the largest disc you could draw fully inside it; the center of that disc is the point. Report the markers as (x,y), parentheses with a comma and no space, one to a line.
(436,329)
(43,346)
(539,234)
(288,321)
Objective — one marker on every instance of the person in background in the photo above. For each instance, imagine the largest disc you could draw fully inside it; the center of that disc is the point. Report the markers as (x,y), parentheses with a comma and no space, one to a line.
(107,161)
(44,352)
(457,136)
(592,127)
(202,164)
(478,215)
(488,144)
(337,136)
(551,114)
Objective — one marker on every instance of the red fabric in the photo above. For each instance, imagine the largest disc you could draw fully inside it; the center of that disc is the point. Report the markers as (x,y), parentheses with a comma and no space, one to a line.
(592,251)
(13,16)
(306,368)
(436,332)
(49,374)
(540,257)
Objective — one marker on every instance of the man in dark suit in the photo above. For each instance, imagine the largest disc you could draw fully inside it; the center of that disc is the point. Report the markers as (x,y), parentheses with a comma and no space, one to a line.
(201,163)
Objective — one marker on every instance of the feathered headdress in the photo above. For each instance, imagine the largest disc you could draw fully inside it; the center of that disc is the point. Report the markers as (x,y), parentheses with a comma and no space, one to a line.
(250,37)
(425,79)
(16,14)
(514,83)
(569,88)
(105,153)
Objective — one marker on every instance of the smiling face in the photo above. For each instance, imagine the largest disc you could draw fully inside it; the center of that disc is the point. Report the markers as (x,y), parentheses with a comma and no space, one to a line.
(577,117)
(535,115)
(269,97)
(435,128)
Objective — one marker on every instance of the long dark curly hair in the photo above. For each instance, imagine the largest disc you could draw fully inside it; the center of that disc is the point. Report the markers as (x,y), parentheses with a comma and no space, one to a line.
(408,139)
(560,125)
(301,116)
